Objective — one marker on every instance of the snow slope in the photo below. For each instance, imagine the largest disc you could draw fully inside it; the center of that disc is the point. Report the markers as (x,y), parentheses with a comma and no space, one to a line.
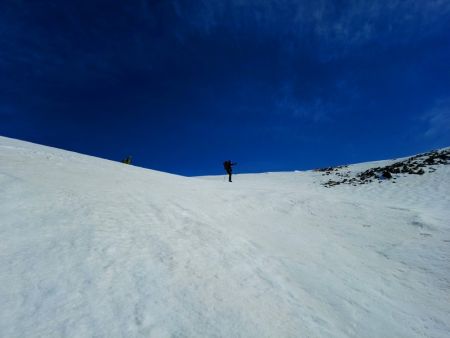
(91,247)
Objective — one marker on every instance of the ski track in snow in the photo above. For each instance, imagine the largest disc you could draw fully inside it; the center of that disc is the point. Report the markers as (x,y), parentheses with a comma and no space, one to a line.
(96,248)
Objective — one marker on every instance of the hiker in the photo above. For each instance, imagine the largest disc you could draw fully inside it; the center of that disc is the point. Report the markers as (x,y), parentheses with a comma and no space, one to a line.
(228,166)
(127,160)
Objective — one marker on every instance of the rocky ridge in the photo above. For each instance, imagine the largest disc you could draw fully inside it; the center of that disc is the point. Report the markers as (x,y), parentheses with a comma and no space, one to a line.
(416,165)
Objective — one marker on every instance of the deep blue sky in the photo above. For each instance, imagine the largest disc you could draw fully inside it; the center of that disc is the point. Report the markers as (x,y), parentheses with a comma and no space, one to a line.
(183,85)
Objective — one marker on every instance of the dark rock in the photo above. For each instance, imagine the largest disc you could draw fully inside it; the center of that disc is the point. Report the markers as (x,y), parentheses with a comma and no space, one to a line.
(387,174)
(414,165)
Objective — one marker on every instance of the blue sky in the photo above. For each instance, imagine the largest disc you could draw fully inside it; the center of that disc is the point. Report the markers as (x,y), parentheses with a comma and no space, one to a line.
(184,85)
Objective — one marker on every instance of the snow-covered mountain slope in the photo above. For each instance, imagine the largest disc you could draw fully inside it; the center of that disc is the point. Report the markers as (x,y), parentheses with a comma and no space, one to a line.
(91,247)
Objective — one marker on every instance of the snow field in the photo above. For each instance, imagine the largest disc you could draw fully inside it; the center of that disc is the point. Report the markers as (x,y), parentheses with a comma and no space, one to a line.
(92,247)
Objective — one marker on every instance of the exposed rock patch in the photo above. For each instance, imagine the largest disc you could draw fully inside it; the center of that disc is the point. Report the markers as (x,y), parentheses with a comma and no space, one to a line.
(415,165)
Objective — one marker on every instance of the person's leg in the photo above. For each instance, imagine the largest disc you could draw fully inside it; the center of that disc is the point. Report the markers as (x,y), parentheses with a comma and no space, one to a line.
(229,176)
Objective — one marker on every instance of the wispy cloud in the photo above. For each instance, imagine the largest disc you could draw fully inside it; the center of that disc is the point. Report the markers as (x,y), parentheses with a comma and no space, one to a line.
(333,26)
(360,21)
(318,105)
(437,119)
(315,109)
(334,29)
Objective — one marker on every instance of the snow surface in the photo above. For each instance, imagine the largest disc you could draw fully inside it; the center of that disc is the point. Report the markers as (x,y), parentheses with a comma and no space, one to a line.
(90,247)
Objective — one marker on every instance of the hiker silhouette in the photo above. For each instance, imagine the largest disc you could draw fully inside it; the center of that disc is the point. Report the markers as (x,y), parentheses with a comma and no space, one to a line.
(228,166)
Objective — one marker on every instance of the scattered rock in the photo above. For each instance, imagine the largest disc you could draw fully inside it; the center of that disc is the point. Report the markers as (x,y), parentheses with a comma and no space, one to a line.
(387,174)
(411,166)
(419,172)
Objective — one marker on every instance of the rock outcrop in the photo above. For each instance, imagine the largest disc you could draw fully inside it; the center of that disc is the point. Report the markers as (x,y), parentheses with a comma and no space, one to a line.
(415,165)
